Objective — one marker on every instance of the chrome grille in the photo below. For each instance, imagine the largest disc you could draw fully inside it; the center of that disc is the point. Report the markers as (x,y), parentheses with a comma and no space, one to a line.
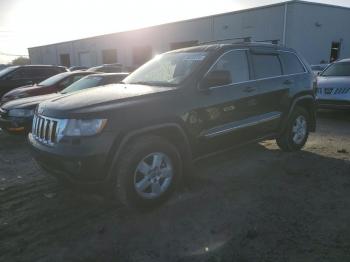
(328,91)
(343,90)
(47,130)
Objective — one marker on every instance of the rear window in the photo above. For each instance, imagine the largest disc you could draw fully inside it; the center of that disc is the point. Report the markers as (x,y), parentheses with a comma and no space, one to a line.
(54,79)
(7,70)
(291,63)
(84,83)
(114,79)
(266,65)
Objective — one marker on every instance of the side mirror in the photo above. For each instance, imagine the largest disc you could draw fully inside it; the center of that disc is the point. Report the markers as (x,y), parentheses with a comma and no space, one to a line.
(216,78)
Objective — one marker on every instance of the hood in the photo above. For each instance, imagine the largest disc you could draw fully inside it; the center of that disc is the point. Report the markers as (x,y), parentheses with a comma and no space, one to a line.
(97,99)
(28,102)
(22,89)
(334,81)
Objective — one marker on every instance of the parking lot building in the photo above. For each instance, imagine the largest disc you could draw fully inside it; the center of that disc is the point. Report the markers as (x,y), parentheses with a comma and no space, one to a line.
(317,31)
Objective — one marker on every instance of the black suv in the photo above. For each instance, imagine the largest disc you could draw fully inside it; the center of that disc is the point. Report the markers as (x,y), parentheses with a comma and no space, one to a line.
(139,138)
(16,76)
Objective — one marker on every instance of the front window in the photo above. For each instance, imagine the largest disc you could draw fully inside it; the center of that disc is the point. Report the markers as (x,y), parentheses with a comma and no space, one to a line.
(236,63)
(84,83)
(7,70)
(168,69)
(338,69)
(54,79)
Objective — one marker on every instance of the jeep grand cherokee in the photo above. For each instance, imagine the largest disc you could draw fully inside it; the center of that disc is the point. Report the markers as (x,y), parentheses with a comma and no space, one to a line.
(138,140)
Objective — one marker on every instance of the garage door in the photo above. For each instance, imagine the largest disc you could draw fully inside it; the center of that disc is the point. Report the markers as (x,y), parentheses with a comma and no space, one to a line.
(85,59)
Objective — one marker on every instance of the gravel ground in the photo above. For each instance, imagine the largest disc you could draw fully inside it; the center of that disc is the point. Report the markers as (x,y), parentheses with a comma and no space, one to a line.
(252,204)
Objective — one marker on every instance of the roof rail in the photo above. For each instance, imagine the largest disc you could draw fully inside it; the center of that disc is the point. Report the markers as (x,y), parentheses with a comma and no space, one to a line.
(247,39)
(270,41)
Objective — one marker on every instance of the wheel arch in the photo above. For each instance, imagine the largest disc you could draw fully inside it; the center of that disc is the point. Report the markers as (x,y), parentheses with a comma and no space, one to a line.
(308,103)
(172,132)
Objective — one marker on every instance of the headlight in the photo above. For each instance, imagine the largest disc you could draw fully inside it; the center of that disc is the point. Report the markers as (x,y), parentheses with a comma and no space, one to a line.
(21,112)
(84,127)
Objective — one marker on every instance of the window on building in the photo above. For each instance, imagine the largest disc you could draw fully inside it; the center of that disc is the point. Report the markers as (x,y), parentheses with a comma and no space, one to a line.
(236,63)
(291,63)
(65,60)
(335,51)
(266,65)
(179,45)
(109,56)
(141,54)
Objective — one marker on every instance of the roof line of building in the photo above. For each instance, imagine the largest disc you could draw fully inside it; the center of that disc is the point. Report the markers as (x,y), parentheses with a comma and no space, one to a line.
(202,17)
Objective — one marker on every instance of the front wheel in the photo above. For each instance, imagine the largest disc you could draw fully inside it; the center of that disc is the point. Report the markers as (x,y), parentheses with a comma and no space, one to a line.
(147,172)
(296,132)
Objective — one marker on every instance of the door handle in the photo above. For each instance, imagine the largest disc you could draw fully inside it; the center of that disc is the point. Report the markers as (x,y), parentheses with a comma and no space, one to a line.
(249,89)
(288,82)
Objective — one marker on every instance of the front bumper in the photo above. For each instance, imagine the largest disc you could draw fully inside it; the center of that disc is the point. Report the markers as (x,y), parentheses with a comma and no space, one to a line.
(85,163)
(16,124)
(333,104)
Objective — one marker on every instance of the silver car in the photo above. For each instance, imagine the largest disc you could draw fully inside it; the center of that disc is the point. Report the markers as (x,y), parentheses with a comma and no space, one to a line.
(333,86)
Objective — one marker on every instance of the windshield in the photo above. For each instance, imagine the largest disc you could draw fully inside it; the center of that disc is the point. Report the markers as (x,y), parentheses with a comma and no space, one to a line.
(7,70)
(53,79)
(168,69)
(86,82)
(338,69)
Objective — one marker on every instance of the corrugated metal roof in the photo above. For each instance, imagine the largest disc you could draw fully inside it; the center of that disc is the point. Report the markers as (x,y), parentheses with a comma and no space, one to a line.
(204,17)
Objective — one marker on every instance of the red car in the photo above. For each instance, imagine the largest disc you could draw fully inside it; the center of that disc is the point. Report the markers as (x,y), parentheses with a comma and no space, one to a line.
(51,85)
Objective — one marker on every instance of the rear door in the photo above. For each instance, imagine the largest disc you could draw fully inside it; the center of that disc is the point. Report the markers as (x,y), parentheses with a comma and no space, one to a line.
(273,88)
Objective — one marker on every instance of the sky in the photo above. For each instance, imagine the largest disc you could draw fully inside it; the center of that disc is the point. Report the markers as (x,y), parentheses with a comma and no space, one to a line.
(28,23)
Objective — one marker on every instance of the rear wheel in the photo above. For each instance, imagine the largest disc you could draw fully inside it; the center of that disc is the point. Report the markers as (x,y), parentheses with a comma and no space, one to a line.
(147,172)
(296,133)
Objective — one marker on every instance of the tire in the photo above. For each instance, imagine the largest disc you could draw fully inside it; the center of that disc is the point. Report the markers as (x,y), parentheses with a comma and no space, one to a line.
(146,173)
(296,132)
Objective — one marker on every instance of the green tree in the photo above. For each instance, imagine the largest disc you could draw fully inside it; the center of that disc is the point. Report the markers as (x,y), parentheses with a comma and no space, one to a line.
(21,61)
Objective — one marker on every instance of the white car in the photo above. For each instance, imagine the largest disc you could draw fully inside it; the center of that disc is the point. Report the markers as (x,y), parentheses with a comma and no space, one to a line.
(333,86)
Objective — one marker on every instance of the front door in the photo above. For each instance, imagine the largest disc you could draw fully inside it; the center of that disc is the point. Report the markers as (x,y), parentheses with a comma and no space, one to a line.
(223,111)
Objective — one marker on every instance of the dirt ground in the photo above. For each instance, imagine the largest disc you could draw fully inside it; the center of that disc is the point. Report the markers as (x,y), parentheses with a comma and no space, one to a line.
(252,204)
